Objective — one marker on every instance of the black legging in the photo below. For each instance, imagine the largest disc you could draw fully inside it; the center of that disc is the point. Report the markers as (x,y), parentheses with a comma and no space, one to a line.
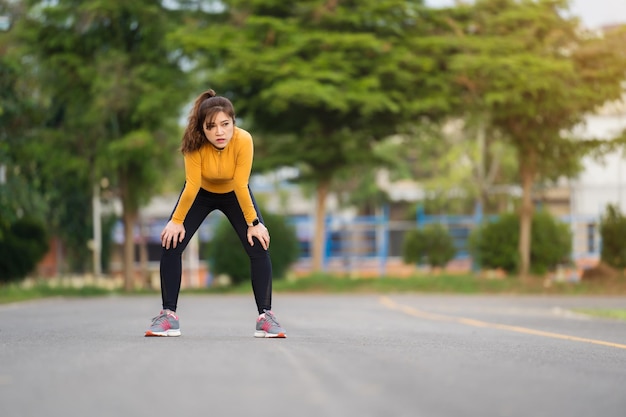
(260,264)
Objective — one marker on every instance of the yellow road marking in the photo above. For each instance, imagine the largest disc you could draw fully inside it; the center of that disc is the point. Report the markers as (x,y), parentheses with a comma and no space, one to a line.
(386,301)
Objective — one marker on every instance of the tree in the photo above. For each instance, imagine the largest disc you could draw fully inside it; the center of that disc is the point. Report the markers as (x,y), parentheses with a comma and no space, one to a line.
(612,229)
(494,244)
(23,243)
(113,88)
(320,81)
(536,74)
(432,245)
(456,163)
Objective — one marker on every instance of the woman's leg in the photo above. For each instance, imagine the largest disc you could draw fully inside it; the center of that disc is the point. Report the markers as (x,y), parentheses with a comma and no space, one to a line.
(260,263)
(171,259)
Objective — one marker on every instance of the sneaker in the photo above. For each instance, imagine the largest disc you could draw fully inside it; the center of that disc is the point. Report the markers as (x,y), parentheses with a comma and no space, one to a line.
(267,326)
(165,324)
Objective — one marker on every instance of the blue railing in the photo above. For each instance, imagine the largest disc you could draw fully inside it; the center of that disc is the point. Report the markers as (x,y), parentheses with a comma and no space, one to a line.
(378,238)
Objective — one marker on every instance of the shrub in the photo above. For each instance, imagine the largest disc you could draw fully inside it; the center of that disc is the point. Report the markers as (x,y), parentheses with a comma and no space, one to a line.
(551,242)
(612,233)
(431,245)
(227,256)
(22,245)
(495,245)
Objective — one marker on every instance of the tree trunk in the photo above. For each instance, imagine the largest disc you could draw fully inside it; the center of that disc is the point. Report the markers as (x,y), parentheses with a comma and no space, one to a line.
(319,238)
(481,180)
(527,175)
(97,231)
(143,254)
(129,220)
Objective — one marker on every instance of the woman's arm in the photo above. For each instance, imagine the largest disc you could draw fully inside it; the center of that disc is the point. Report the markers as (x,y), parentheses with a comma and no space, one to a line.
(193,180)
(174,231)
(243,168)
(241,178)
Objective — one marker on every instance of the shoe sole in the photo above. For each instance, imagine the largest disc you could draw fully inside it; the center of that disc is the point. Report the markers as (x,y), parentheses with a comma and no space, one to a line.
(266,335)
(167,333)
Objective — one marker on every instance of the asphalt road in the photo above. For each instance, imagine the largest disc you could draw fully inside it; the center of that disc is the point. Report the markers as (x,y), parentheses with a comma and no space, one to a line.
(387,356)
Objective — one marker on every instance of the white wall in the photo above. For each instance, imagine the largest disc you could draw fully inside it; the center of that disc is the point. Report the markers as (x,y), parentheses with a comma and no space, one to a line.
(603,181)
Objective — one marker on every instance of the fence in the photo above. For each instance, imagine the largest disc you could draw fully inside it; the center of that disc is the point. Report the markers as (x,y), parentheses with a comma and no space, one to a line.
(374,243)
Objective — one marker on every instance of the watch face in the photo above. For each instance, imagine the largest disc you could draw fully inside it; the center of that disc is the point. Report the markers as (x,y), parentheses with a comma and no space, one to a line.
(255,222)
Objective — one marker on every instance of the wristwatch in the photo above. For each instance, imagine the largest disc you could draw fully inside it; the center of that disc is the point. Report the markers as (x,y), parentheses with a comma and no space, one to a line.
(254,222)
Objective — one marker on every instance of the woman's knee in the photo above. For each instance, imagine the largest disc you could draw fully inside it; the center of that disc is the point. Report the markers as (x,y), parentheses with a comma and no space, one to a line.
(257,251)
(177,251)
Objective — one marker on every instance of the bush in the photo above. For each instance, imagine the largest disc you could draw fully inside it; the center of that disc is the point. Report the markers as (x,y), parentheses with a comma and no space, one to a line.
(495,245)
(227,256)
(612,233)
(22,245)
(431,245)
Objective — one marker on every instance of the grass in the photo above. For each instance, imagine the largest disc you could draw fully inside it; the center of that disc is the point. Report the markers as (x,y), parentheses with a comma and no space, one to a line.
(11,293)
(603,313)
(457,284)
(325,283)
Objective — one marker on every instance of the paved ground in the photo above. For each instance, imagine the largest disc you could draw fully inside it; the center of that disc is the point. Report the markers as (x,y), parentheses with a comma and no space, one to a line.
(387,356)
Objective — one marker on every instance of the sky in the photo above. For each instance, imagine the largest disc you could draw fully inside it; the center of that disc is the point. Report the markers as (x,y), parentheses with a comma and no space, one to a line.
(593,13)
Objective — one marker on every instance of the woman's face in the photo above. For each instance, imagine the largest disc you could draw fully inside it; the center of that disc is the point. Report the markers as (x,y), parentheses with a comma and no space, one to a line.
(219,131)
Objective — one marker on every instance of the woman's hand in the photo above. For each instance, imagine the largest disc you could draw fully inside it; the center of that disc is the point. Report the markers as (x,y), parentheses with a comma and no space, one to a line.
(260,232)
(172,234)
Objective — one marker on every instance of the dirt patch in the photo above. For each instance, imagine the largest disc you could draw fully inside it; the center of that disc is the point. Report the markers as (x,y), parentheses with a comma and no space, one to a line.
(601,272)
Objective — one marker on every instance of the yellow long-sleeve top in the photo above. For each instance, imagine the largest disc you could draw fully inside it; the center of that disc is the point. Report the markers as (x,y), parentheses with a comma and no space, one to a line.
(219,171)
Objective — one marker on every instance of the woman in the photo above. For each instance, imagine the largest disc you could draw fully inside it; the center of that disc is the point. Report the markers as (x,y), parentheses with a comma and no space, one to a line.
(218,161)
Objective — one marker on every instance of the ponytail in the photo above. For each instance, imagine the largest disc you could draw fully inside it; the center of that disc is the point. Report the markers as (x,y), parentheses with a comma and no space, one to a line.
(193,138)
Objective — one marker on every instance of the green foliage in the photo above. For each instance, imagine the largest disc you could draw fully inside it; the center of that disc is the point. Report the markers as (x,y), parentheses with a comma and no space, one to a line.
(18,193)
(536,75)
(99,94)
(93,89)
(431,245)
(551,242)
(309,74)
(613,233)
(227,256)
(495,244)
(22,244)
(320,82)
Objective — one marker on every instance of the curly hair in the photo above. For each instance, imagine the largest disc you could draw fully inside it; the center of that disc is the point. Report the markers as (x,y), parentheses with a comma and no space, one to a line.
(204,110)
